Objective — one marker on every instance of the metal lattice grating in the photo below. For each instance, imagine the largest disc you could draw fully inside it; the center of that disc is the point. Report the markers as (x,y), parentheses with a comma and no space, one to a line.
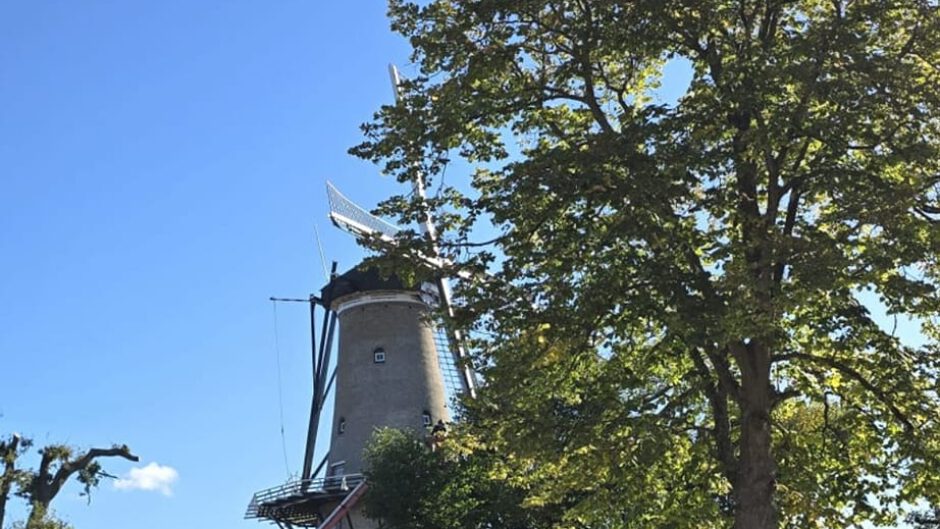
(453,383)
(352,218)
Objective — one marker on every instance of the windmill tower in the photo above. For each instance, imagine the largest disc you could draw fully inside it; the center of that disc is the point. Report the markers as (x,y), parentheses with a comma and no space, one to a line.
(394,368)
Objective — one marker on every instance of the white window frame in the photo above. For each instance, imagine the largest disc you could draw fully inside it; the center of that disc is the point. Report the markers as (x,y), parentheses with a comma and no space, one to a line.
(341,465)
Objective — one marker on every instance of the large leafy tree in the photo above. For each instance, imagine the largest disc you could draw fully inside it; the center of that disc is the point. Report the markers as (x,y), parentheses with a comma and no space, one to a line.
(669,316)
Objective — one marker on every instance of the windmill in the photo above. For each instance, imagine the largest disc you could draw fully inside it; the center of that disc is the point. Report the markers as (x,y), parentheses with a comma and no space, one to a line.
(392,366)
(351,218)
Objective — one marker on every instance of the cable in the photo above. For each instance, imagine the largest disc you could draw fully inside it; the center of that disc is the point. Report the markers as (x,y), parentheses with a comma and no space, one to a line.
(280,390)
(322,258)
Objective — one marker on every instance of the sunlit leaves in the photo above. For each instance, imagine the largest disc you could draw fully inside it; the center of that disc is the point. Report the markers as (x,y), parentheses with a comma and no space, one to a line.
(661,274)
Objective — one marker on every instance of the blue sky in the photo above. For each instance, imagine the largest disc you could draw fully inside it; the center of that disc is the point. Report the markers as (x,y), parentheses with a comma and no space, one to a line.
(162,169)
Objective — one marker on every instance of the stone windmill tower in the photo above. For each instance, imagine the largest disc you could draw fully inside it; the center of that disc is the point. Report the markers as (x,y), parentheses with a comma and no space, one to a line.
(393,368)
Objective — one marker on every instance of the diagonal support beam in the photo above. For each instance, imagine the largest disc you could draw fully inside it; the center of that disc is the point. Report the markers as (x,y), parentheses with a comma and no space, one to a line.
(321,361)
(345,506)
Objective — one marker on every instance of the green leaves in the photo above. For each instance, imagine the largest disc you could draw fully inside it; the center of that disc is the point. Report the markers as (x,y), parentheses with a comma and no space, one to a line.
(668,318)
(58,463)
(417,482)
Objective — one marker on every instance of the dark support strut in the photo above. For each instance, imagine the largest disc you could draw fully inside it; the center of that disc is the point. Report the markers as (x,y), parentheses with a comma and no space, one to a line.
(319,395)
(313,339)
(312,427)
(321,361)
(320,466)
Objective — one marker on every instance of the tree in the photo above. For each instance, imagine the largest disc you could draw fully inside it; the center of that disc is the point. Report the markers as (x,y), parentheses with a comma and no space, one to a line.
(413,485)
(58,464)
(671,316)
(10,451)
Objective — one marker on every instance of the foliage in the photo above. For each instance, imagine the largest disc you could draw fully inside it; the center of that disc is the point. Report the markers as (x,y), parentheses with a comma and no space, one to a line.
(10,451)
(929,519)
(669,318)
(412,486)
(38,487)
(42,519)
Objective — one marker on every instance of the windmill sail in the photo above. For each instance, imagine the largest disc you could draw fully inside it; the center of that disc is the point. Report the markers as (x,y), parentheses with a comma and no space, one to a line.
(352,218)
(349,217)
(453,381)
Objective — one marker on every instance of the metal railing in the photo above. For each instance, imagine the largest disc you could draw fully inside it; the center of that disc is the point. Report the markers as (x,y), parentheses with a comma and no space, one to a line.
(300,489)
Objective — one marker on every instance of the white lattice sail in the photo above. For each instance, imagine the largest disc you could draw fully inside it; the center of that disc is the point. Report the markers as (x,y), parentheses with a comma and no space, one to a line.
(348,216)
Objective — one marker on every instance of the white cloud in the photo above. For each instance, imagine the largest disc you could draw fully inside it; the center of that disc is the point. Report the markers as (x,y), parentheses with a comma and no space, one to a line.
(151,477)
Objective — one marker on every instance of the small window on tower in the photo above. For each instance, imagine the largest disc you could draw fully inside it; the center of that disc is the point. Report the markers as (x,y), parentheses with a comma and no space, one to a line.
(342,425)
(378,356)
(338,468)
(426,418)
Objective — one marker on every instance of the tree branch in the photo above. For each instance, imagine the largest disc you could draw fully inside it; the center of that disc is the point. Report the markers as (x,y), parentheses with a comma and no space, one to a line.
(587,73)
(70,467)
(856,376)
(722,430)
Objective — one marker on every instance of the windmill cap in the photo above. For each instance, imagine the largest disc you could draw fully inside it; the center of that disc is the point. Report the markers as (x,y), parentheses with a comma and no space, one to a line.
(361,279)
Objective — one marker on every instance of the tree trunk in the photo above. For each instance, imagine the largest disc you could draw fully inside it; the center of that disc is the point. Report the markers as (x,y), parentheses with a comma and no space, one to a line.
(37,515)
(754,489)
(4,496)
(39,506)
(9,471)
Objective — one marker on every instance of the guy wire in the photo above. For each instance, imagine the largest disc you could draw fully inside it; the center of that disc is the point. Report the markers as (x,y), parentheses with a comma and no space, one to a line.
(280,390)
